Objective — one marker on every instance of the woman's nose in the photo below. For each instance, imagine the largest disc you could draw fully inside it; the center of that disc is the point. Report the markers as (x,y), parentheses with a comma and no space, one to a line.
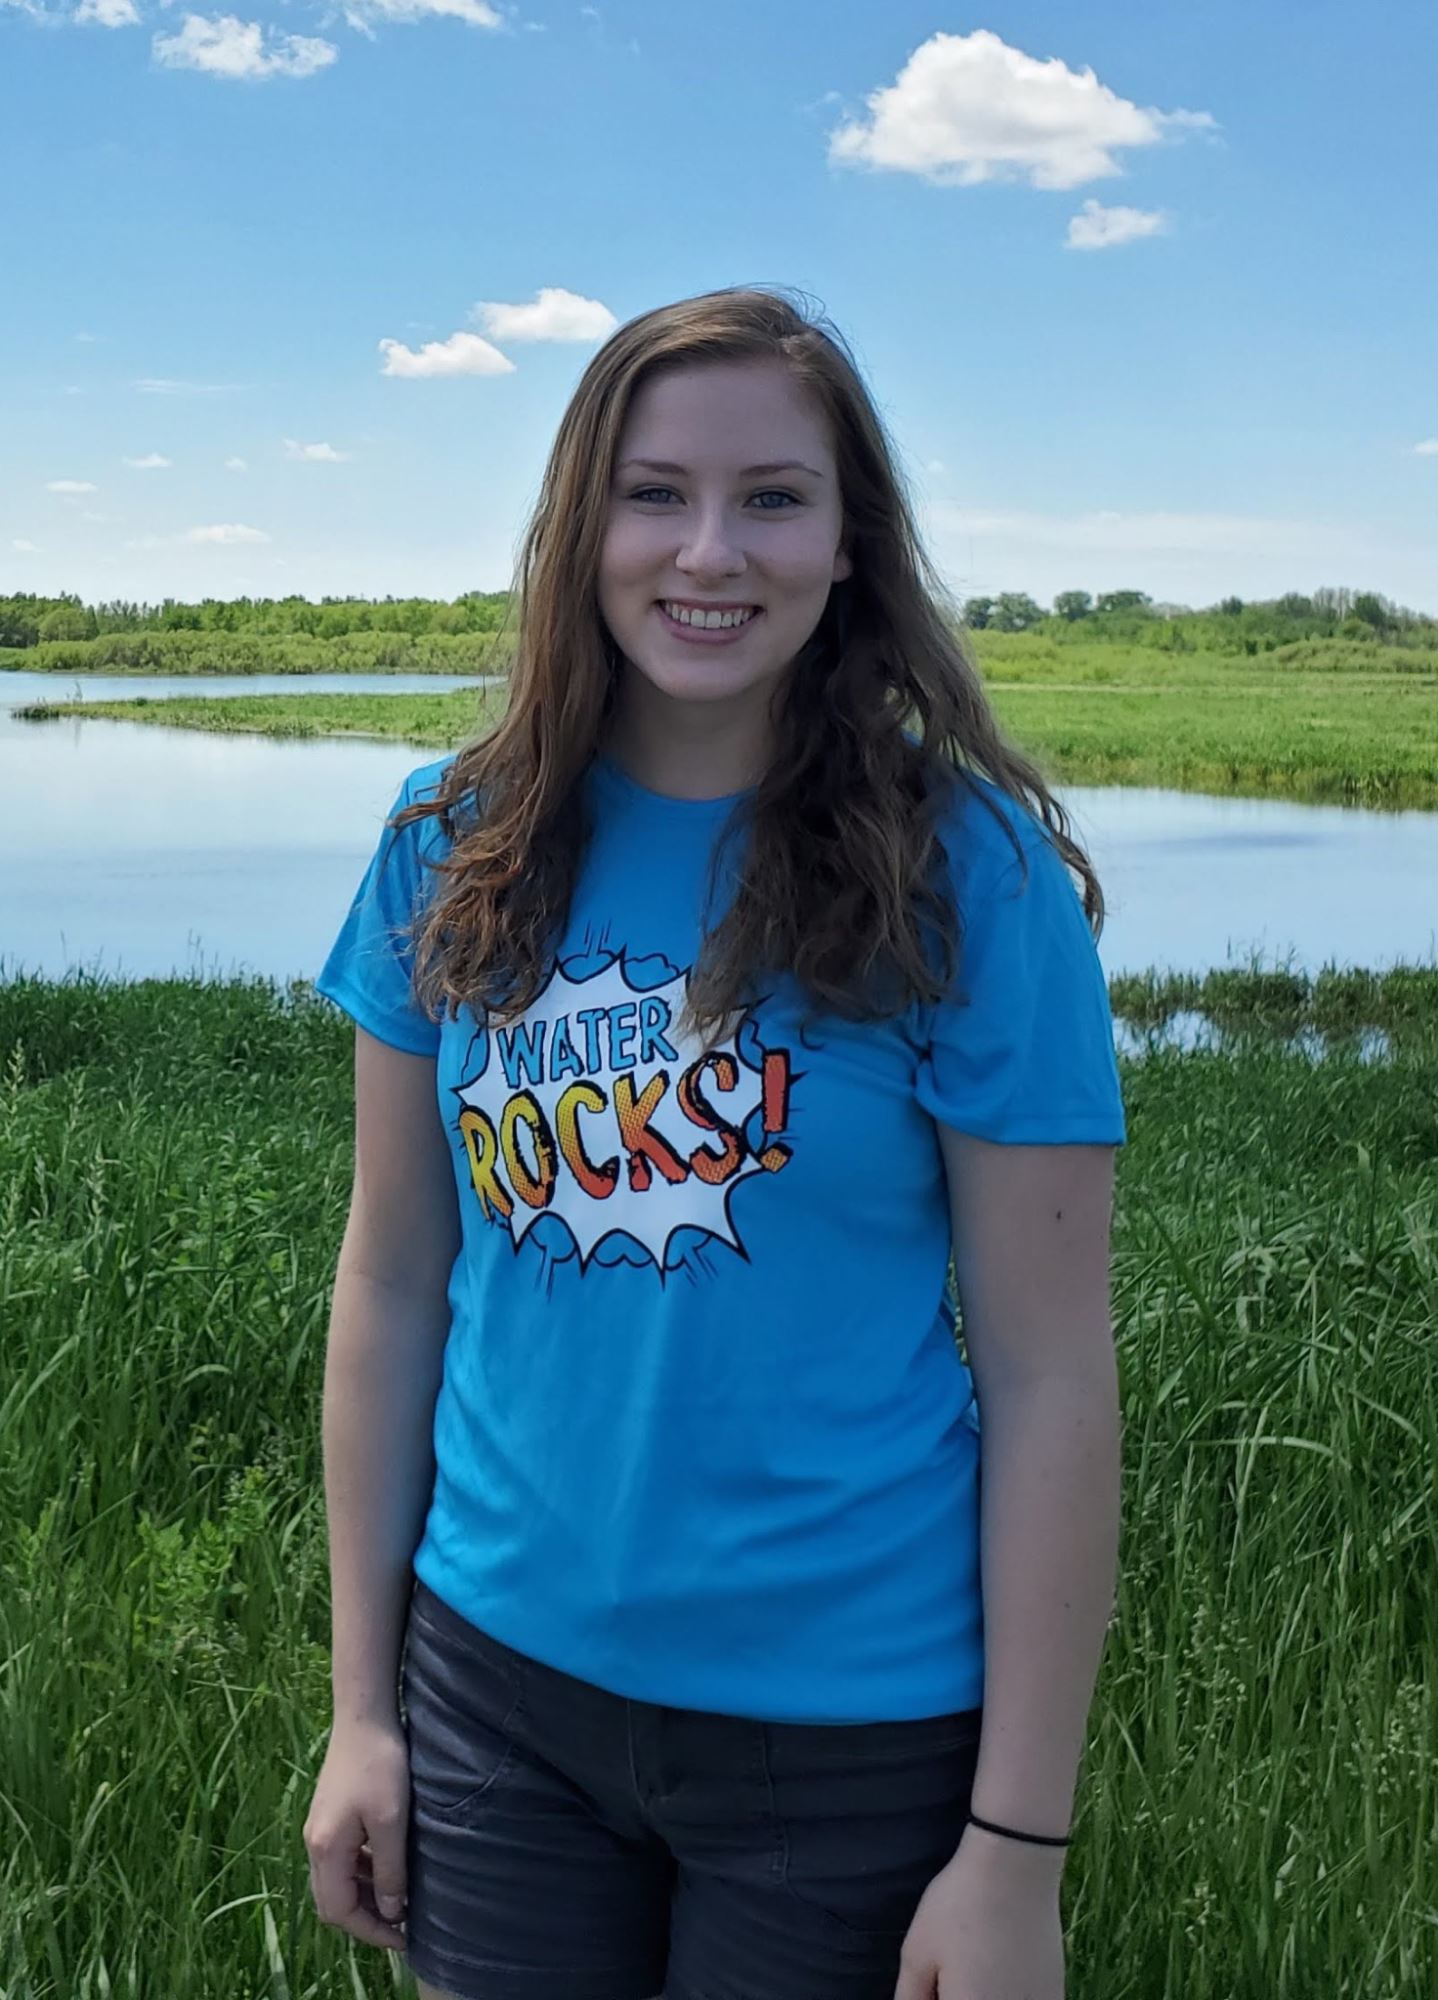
(711,544)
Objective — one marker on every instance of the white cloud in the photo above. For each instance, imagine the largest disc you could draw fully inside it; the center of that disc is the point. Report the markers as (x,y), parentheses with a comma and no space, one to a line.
(167,385)
(24,548)
(70,486)
(968,108)
(1428,448)
(236,465)
(461,354)
(225,532)
(87,514)
(360,13)
(87,336)
(1098,228)
(107,13)
(151,462)
(553,314)
(229,47)
(317,454)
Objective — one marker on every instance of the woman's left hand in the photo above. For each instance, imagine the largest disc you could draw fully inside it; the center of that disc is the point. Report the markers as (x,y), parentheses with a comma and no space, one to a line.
(987,1927)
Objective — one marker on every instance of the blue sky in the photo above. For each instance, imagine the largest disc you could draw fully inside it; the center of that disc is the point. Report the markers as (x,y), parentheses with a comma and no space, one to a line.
(1147,296)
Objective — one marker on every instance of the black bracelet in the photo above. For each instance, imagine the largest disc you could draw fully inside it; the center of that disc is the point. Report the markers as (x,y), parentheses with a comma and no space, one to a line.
(1041,1839)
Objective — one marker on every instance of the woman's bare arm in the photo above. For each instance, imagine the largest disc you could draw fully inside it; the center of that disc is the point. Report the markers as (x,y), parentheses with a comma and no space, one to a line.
(388,1325)
(1031,1252)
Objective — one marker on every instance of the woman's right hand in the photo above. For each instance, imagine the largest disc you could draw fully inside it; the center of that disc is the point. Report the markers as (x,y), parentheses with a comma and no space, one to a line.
(356,1830)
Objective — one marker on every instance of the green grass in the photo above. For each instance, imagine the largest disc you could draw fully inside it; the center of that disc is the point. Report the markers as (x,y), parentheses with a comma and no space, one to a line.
(428,721)
(1258,1808)
(1375,744)
(1326,721)
(1072,656)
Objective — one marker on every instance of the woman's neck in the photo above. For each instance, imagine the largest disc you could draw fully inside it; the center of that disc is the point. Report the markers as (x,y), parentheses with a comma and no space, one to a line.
(688,750)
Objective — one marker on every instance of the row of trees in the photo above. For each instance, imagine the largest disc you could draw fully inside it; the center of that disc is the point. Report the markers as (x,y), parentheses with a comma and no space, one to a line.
(1324,611)
(1232,625)
(1016,611)
(31,621)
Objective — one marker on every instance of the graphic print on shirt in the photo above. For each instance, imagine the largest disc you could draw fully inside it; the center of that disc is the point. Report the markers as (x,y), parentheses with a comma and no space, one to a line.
(594,1128)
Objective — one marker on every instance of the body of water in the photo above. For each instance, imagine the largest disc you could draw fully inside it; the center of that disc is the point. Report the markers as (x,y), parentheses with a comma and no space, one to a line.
(136,850)
(18,689)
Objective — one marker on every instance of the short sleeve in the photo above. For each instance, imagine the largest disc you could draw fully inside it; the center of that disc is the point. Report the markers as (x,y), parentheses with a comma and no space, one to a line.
(1021,1050)
(369,971)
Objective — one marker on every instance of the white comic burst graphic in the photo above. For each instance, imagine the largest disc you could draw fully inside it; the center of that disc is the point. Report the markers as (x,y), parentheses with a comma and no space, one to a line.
(595,1110)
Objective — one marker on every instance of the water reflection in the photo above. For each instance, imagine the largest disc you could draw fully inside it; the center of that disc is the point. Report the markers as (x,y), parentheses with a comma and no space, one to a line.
(1190,1030)
(17,689)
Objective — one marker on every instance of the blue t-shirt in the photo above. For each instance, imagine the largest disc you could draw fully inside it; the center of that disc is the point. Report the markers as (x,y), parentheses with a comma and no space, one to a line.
(705,1436)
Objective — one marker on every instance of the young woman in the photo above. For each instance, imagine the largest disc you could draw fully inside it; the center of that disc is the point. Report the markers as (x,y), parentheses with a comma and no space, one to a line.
(706,1007)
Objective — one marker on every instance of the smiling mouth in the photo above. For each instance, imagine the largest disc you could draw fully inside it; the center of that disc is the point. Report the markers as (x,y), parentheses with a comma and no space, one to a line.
(701,614)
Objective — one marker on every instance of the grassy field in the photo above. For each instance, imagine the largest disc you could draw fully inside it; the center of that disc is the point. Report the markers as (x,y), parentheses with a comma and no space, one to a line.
(1322,721)
(1259,1805)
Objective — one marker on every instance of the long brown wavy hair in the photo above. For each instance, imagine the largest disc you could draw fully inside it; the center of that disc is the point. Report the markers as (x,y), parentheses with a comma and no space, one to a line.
(881,710)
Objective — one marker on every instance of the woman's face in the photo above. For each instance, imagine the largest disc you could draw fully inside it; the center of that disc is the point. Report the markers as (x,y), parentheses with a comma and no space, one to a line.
(744,510)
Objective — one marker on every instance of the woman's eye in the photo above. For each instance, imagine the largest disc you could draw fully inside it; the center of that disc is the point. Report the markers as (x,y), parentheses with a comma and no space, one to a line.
(768,493)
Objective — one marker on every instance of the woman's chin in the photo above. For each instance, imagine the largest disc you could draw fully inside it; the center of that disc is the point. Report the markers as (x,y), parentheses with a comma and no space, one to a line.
(703,680)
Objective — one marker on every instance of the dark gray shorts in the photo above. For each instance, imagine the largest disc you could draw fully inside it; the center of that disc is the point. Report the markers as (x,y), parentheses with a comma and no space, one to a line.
(566,1843)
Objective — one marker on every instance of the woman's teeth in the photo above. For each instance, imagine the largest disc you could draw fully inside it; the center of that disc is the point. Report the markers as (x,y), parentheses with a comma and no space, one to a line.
(710,621)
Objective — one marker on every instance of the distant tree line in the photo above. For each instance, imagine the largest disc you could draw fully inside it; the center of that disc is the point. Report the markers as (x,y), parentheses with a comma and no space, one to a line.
(1228,626)
(297,634)
(33,621)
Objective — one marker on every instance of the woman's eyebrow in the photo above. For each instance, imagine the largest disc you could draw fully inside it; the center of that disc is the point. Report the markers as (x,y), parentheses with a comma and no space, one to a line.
(745,471)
